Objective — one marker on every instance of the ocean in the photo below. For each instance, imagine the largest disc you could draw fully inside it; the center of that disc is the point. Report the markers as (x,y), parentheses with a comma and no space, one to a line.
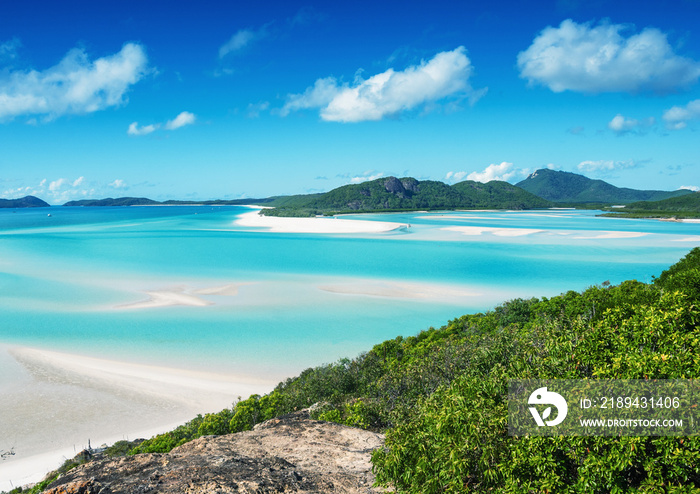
(186,287)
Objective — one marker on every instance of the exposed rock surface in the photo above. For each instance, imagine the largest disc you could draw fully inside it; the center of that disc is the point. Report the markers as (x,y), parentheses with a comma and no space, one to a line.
(289,454)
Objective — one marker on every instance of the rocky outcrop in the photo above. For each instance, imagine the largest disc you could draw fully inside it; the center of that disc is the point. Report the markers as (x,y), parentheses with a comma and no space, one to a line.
(289,454)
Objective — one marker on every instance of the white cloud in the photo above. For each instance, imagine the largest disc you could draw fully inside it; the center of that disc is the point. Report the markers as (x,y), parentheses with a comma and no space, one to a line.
(622,125)
(241,39)
(57,184)
(184,118)
(74,86)
(78,181)
(389,93)
(255,109)
(603,166)
(365,178)
(454,177)
(135,130)
(502,172)
(118,184)
(677,117)
(598,59)
(694,188)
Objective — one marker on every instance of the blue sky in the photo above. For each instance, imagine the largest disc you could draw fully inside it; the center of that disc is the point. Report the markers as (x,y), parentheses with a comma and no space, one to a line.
(204,100)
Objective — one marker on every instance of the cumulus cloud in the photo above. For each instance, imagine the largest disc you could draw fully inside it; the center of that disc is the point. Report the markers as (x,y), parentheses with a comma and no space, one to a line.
(56,191)
(622,125)
(677,117)
(503,172)
(135,130)
(392,92)
(694,188)
(605,166)
(599,59)
(368,176)
(118,184)
(184,118)
(57,184)
(74,86)
(241,39)
(454,177)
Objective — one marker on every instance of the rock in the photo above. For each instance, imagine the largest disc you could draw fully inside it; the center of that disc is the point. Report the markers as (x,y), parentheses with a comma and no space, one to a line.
(289,454)
(394,185)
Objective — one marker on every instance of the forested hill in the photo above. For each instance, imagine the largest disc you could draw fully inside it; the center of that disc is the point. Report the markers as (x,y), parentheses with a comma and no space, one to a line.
(685,206)
(120,201)
(24,202)
(394,194)
(558,186)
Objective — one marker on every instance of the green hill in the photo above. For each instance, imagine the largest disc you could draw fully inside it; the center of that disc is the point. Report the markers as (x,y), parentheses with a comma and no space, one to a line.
(558,186)
(408,194)
(24,202)
(120,201)
(687,205)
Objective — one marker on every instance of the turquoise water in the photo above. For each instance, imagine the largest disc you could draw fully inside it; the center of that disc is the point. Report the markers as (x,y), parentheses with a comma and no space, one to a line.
(66,280)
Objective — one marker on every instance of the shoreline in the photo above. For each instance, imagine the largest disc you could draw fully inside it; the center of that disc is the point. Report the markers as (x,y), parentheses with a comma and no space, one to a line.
(66,400)
(278,224)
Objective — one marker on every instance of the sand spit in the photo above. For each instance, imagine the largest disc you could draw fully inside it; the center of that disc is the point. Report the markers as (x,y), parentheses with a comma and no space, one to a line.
(603,235)
(499,232)
(183,296)
(392,289)
(315,225)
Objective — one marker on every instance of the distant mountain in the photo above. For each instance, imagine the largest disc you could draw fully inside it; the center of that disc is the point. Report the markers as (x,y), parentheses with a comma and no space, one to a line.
(121,201)
(558,186)
(685,206)
(24,202)
(394,194)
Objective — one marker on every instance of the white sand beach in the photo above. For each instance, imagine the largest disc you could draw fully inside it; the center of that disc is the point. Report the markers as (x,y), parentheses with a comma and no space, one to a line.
(61,401)
(315,225)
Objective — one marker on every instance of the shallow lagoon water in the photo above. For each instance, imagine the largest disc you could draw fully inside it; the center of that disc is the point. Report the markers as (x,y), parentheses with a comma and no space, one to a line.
(83,281)
(64,277)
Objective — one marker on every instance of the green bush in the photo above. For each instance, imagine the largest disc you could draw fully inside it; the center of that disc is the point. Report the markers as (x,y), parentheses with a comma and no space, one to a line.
(456,439)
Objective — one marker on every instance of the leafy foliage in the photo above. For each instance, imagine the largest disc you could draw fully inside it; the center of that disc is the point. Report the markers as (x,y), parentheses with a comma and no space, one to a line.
(441,396)
(393,194)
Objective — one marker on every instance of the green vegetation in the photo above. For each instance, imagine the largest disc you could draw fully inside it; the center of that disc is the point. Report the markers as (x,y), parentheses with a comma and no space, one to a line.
(566,187)
(441,396)
(24,202)
(685,206)
(407,194)
(120,201)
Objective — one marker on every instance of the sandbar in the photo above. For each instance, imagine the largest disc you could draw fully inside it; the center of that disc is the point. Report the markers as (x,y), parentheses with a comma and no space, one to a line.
(315,225)
(397,289)
(499,232)
(596,235)
(184,296)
